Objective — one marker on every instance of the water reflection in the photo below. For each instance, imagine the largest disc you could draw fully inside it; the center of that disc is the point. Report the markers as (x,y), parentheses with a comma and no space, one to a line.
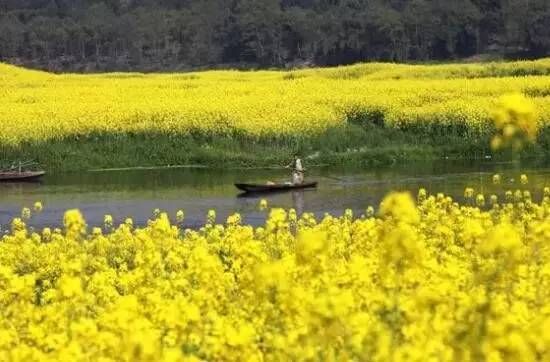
(298,201)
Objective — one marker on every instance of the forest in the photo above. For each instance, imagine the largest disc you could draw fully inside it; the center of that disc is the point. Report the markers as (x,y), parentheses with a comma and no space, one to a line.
(169,35)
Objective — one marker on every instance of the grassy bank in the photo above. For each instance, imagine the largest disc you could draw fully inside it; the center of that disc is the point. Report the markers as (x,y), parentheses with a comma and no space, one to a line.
(358,144)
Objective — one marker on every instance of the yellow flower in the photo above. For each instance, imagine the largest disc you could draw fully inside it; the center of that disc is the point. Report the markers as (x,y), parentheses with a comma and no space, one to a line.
(74,223)
(46,234)
(370,211)
(503,240)
(234,219)
(480,200)
(401,245)
(108,221)
(240,336)
(422,195)
(26,213)
(38,206)
(129,222)
(263,204)
(180,216)
(211,217)
(400,285)
(96,231)
(310,244)
(348,214)
(400,206)
(292,216)
(516,121)
(509,196)
(70,286)
(17,225)
(524,180)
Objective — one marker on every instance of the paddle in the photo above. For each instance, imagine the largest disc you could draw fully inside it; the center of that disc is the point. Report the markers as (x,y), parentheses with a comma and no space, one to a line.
(331,178)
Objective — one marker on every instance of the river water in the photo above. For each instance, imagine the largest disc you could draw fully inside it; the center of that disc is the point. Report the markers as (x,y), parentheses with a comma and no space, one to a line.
(137,193)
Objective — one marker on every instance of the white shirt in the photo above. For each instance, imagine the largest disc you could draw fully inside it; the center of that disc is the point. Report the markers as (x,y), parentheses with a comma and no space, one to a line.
(298,165)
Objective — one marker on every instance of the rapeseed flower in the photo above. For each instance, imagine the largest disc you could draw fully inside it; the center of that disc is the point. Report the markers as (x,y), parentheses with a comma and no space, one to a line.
(26,213)
(524,180)
(419,280)
(74,223)
(108,221)
(38,207)
(180,216)
(263,103)
(516,121)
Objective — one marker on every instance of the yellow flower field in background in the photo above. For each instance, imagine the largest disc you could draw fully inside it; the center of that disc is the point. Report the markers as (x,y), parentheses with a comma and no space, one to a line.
(37,106)
(419,279)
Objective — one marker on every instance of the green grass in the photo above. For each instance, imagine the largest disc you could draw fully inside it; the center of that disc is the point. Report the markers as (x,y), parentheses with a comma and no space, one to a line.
(363,141)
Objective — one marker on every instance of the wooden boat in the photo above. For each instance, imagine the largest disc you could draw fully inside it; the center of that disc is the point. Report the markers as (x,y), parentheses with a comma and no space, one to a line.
(16,176)
(274,188)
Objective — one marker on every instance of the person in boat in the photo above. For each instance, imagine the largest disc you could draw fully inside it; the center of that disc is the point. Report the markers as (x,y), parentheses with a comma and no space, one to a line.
(297,171)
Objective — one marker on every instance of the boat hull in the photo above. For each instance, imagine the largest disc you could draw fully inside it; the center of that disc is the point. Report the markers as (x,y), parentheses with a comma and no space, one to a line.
(21,176)
(255,188)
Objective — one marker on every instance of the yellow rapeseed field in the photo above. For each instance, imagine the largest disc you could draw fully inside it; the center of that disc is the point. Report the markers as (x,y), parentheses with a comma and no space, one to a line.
(416,280)
(37,106)
(425,278)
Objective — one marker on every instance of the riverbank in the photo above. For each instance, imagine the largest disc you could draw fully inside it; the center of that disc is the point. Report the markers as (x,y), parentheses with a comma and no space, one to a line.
(367,114)
(354,144)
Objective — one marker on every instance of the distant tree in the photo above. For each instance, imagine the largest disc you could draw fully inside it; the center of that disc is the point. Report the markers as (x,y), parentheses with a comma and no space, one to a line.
(388,29)
(11,36)
(258,27)
(539,28)
(178,34)
(200,30)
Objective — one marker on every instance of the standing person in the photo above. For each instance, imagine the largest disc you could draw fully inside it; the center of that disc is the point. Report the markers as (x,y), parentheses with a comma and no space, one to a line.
(297,171)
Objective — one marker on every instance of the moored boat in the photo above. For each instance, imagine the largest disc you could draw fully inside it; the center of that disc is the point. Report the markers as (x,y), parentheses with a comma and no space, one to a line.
(16,176)
(275,187)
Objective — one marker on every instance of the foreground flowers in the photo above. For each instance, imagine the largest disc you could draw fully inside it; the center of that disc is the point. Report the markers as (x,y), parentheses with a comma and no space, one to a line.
(516,123)
(421,280)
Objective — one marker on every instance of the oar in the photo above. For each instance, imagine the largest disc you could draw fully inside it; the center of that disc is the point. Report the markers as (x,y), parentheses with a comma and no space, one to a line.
(331,178)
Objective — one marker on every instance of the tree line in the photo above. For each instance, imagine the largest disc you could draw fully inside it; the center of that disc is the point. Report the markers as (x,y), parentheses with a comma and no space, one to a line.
(96,35)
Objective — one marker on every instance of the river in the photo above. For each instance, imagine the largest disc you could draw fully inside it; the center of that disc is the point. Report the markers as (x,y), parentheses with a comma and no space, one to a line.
(137,193)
